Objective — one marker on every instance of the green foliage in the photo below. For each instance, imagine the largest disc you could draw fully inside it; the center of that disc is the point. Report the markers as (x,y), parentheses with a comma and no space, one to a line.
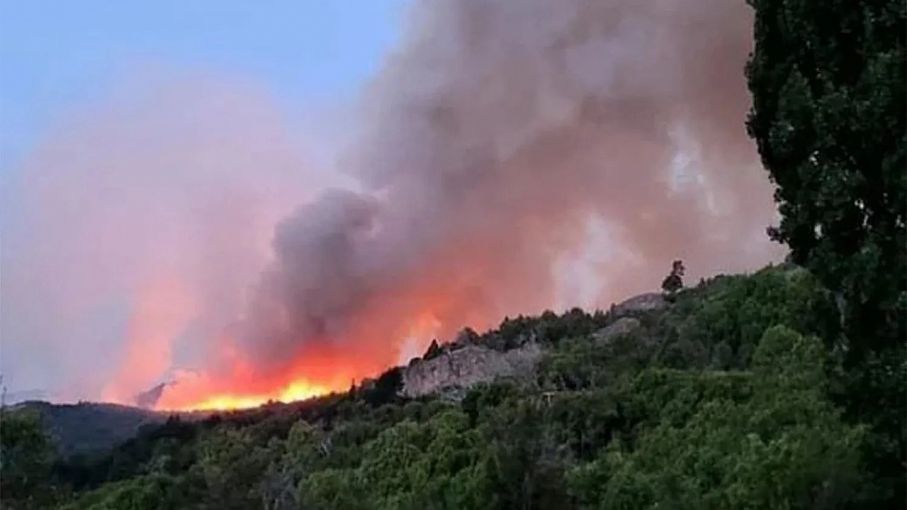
(441,463)
(26,457)
(829,117)
(148,492)
(725,317)
(230,462)
(583,363)
(720,400)
(783,446)
(828,85)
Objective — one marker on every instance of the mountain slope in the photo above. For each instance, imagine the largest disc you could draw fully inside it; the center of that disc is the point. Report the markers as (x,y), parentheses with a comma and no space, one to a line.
(716,399)
(89,427)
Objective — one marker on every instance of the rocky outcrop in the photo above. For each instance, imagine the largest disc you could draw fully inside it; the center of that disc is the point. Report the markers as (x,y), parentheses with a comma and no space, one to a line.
(620,327)
(434,350)
(466,366)
(452,367)
(649,302)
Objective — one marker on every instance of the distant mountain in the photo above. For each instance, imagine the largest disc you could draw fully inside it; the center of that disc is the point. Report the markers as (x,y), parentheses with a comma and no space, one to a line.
(89,427)
(14,397)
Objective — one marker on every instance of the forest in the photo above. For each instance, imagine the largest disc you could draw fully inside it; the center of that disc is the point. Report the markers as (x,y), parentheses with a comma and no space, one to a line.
(727,398)
(781,389)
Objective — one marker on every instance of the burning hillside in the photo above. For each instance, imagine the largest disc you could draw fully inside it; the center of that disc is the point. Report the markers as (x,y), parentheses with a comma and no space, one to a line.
(490,141)
(509,157)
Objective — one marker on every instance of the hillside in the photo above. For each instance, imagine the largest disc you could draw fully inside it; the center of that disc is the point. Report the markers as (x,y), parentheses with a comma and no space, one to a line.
(89,427)
(722,396)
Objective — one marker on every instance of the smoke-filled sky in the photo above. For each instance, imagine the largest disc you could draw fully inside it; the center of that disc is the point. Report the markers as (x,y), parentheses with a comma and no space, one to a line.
(267,202)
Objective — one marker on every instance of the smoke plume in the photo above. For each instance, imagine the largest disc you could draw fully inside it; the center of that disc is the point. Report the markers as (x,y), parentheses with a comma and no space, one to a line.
(490,142)
(137,227)
(508,157)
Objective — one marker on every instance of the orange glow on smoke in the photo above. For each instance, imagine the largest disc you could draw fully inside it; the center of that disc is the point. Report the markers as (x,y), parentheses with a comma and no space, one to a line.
(163,309)
(319,366)
(318,369)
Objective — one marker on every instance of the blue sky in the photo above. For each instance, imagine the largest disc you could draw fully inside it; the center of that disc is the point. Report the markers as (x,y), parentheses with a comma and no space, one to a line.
(60,58)
(56,55)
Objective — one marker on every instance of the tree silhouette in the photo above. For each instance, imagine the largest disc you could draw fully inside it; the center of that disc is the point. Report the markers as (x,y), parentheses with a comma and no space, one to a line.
(674,281)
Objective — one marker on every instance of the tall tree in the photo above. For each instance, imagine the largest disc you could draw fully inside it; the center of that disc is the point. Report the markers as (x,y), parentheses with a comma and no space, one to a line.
(828,84)
(674,281)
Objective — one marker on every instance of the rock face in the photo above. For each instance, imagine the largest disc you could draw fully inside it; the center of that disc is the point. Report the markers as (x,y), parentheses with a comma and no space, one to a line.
(620,327)
(467,366)
(455,366)
(642,303)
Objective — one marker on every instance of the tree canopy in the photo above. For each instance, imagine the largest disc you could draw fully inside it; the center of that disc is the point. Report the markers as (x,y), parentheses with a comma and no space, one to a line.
(724,399)
(828,84)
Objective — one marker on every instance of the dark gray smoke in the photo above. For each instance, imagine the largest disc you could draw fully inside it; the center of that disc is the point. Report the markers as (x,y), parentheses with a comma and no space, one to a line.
(501,139)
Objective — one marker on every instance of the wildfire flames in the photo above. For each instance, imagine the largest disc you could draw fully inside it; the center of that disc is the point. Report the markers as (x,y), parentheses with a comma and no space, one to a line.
(313,374)
(320,370)
(296,390)
(506,158)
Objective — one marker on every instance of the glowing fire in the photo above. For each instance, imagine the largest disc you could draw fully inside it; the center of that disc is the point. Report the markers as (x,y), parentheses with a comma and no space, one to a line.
(317,368)
(297,390)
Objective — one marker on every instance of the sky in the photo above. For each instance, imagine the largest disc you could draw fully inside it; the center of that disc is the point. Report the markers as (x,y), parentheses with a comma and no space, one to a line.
(62,62)
(55,56)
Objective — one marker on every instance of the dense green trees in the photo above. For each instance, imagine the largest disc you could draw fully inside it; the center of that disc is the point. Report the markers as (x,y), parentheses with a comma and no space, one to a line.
(643,419)
(766,438)
(441,463)
(26,457)
(725,318)
(828,85)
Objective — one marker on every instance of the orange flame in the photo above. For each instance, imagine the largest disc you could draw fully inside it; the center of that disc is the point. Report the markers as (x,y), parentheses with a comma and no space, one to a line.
(296,390)
(319,366)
